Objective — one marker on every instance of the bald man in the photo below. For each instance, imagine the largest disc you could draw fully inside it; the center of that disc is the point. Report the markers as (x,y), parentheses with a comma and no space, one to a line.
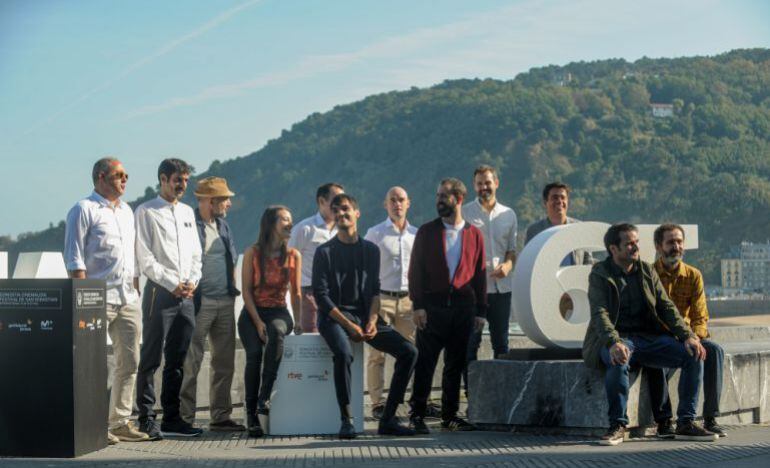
(394,237)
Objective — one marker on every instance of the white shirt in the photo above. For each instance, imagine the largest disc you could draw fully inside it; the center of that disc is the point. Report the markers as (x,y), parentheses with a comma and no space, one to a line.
(99,239)
(395,249)
(498,228)
(168,250)
(306,237)
(453,242)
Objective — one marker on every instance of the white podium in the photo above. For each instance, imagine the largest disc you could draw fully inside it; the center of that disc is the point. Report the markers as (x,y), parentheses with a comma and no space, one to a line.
(304,400)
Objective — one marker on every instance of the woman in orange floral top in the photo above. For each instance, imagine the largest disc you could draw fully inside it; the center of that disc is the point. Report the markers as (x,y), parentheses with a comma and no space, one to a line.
(270,269)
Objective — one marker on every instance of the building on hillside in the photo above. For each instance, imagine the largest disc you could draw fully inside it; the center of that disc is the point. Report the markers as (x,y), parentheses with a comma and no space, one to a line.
(662,110)
(748,268)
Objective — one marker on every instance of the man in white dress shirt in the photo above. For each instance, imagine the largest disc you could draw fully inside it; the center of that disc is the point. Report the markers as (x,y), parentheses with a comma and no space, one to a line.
(168,253)
(306,237)
(498,224)
(99,243)
(394,237)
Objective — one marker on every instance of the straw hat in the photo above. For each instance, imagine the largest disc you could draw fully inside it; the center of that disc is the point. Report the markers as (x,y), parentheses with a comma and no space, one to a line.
(212,187)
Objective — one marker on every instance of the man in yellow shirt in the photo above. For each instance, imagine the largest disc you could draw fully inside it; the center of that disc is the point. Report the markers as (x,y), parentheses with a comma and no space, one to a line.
(684,285)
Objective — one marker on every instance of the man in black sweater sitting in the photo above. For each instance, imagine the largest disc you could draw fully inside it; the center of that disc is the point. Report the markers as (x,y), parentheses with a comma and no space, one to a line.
(346,287)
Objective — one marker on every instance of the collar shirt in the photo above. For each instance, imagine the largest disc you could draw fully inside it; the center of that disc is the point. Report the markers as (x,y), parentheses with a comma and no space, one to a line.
(168,250)
(499,230)
(684,285)
(395,250)
(306,237)
(99,238)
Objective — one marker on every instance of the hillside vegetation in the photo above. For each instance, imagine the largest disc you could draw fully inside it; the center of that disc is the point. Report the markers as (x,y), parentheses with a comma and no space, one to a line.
(588,124)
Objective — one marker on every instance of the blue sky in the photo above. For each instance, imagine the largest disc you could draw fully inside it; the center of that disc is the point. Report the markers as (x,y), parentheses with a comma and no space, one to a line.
(206,80)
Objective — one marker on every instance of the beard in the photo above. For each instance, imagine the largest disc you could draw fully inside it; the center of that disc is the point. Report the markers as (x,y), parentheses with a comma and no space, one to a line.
(672,259)
(445,210)
(485,195)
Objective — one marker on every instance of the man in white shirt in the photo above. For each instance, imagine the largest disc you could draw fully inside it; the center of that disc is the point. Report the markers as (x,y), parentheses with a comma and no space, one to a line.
(498,224)
(394,237)
(99,243)
(306,237)
(168,253)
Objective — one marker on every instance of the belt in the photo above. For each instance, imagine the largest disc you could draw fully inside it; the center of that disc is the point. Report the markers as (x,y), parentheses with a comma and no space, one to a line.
(398,294)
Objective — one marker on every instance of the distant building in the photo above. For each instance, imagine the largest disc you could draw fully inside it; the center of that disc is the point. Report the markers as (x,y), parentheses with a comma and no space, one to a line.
(662,110)
(748,268)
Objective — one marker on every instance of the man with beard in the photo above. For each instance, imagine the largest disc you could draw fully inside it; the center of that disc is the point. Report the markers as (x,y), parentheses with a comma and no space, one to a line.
(346,285)
(168,253)
(684,285)
(307,236)
(99,243)
(633,322)
(448,288)
(214,301)
(498,225)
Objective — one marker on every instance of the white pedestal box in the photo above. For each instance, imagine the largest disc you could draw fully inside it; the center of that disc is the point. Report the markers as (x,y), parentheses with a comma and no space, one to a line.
(304,400)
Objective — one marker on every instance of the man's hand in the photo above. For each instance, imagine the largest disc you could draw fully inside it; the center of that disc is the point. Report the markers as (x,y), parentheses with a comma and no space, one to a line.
(478,325)
(370,331)
(297,328)
(420,318)
(180,291)
(619,354)
(356,334)
(502,270)
(695,348)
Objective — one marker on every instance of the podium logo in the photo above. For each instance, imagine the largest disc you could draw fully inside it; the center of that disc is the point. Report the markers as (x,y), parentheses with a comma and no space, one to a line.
(79,298)
(319,377)
(82,324)
(288,352)
(294,376)
(24,327)
(46,325)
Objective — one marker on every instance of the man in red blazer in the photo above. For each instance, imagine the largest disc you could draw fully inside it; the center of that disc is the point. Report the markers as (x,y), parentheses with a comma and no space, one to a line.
(447,286)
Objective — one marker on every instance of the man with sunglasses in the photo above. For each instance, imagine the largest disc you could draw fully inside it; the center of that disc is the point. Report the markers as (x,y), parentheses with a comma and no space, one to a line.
(99,243)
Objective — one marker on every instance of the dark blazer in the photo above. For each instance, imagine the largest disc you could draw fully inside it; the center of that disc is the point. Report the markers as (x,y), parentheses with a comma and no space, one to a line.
(231,255)
(326,280)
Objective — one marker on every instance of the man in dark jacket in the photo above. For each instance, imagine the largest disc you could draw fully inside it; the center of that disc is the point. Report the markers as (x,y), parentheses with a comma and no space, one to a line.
(346,286)
(633,322)
(214,308)
(448,288)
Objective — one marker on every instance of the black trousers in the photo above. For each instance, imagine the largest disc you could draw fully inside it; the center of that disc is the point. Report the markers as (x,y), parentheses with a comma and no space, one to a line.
(448,329)
(386,340)
(278,324)
(168,323)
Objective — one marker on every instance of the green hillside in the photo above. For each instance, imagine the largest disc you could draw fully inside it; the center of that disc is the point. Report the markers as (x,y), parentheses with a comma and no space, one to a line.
(589,124)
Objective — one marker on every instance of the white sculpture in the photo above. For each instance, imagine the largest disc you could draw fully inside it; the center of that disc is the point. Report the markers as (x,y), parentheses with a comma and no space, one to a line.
(539,280)
(40,265)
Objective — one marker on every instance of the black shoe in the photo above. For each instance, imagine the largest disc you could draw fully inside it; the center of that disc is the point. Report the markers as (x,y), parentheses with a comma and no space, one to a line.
(665,430)
(179,428)
(394,427)
(347,431)
(417,423)
(377,411)
(614,435)
(688,430)
(228,425)
(150,427)
(432,410)
(710,424)
(254,428)
(457,424)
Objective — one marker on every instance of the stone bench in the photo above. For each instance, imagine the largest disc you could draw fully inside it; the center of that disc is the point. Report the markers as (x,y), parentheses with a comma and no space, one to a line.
(566,394)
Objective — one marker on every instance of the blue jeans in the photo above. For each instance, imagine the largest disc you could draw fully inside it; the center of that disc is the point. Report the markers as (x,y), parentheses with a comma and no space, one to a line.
(661,351)
(657,380)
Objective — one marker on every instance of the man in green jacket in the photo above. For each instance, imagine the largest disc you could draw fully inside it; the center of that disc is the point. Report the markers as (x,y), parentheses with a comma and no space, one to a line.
(633,322)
